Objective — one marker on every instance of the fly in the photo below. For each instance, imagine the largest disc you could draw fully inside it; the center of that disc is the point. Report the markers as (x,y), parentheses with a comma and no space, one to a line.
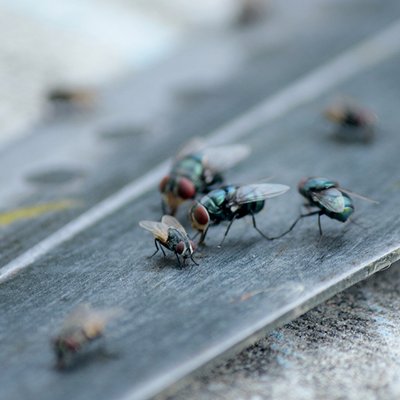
(230,203)
(354,123)
(81,327)
(169,233)
(197,170)
(328,198)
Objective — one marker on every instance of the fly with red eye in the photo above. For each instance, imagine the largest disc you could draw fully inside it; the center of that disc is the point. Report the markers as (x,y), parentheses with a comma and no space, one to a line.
(81,327)
(197,170)
(169,233)
(230,203)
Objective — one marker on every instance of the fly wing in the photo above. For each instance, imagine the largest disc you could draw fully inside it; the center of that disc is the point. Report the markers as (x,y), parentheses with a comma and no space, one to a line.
(257,192)
(158,229)
(169,220)
(194,145)
(97,320)
(332,199)
(359,196)
(77,316)
(91,321)
(221,158)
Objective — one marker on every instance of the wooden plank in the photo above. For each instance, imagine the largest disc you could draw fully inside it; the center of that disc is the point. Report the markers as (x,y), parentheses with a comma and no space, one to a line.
(178,320)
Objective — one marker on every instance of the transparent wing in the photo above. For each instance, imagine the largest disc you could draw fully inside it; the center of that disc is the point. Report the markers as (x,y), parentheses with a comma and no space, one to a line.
(91,320)
(224,157)
(194,145)
(359,196)
(332,199)
(257,192)
(158,229)
(172,221)
(77,316)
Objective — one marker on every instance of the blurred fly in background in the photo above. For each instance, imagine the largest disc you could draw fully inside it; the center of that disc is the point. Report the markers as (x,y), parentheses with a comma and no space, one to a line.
(85,44)
(353,122)
(196,170)
(81,327)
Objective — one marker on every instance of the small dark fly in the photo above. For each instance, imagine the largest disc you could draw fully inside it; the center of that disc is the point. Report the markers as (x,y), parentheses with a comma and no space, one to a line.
(169,233)
(250,11)
(80,96)
(81,327)
(328,198)
(230,203)
(354,123)
(196,170)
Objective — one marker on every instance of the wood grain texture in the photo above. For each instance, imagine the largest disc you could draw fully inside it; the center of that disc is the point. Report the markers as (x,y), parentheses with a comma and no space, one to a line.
(177,320)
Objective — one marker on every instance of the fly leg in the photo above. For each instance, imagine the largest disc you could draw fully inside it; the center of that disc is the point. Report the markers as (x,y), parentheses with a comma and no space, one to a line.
(203,236)
(258,230)
(195,235)
(179,261)
(307,206)
(158,246)
(227,230)
(319,223)
(297,220)
(353,221)
(163,207)
(191,257)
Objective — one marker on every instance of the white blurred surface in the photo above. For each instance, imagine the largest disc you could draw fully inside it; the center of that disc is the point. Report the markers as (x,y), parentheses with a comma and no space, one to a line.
(88,42)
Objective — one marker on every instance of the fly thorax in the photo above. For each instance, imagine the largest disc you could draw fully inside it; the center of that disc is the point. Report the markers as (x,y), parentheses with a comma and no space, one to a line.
(191,168)
(174,238)
(215,203)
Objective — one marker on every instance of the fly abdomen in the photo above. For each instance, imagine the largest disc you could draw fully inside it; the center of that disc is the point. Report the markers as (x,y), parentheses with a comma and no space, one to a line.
(345,214)
(249,209)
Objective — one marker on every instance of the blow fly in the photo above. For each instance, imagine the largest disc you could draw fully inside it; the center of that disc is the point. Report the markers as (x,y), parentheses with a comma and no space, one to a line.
(70,96)
(328,198)
(196,170)
(169,233)
(354,122)
(230,203)
(81,327)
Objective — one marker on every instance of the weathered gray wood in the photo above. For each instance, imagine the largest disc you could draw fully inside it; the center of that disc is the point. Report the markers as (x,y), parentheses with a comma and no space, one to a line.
(177,320)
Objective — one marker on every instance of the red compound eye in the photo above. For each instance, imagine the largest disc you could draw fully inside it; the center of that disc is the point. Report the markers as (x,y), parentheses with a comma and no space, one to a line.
(180,247)
(186,189)
(302,183)
(200,215)
(163,183)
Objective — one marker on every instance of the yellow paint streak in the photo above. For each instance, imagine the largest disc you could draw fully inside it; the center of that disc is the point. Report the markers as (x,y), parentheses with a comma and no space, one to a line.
(35,211)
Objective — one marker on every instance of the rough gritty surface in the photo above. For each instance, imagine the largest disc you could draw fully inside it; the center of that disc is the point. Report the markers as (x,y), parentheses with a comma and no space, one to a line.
(347,347)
